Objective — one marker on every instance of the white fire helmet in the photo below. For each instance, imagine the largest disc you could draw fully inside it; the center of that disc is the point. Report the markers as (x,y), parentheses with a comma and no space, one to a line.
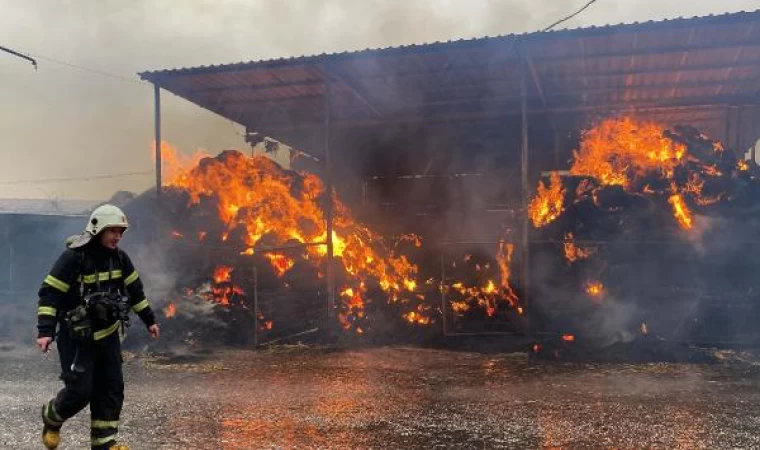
(106,216)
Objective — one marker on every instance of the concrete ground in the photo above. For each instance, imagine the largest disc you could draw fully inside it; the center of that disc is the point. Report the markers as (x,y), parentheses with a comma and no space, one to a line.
(400,398)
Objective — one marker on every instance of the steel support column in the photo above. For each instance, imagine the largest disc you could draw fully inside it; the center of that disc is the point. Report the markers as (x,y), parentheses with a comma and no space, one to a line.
(157,112)
(525,193)
(328,198)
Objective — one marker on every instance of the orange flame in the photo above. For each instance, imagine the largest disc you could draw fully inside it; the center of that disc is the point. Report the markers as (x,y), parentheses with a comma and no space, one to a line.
(568,338)
(489,294)
(618,150)
(170,310)
(417,317)
(681,211)
(223,290)
(353,308)
(595,288)
(285,206)
(223,274)
(280,263)
(175,165)
(547,205)
(574,253)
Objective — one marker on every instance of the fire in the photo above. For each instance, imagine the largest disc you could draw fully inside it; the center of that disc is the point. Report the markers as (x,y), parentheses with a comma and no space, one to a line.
(223,274)
(353,308)
(547,205)
(418,317)
(174,164)
(223,290)
(176,234)
(681,211)
(574,253)
(742,165)
(489,294)
(594,288)
(280,263)
(622,152)
(170,310)
(256,199)
(617,151)
(568,337)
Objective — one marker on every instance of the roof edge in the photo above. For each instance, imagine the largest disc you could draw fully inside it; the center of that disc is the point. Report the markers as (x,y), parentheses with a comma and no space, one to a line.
(740,16)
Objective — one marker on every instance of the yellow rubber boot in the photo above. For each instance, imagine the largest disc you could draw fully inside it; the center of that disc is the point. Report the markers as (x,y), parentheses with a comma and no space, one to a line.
(51,431)
(51,439)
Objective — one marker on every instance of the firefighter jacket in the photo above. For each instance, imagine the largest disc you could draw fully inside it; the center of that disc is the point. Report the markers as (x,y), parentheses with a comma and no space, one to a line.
(82,270)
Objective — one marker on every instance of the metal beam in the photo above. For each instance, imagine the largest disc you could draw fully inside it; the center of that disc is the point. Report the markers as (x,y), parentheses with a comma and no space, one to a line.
(650,70)
(536,81)
(329,197)
(256,87)
(300,105)
(358,93)
(684,57)
(157,117)
(585,75)
(540,89)
(525,195)
(496,77)
(652,51)
(730,69)
(497,113)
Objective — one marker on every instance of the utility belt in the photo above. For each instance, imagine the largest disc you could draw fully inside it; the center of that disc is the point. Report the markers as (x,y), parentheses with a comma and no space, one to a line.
(98,309)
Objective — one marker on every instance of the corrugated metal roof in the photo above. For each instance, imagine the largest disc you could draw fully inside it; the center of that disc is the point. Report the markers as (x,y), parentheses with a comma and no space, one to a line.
(676,62)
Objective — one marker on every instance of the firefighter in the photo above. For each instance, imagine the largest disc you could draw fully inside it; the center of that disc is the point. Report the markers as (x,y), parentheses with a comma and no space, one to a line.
(87,297)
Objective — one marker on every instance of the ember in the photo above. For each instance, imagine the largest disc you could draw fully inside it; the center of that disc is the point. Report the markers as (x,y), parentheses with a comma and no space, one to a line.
(170,310)
(594,288)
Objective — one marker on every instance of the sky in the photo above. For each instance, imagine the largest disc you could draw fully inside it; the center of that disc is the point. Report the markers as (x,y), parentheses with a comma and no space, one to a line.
(59,122)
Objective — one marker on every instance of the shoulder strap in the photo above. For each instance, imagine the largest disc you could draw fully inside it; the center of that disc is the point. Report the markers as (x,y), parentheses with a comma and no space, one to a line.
(80,277)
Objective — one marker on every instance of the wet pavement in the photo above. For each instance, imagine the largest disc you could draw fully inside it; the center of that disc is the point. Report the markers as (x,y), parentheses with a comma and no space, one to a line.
(400,398)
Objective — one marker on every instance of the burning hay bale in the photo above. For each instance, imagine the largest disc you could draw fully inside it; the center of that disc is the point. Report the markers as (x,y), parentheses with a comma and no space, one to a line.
(643,236)
(245,234)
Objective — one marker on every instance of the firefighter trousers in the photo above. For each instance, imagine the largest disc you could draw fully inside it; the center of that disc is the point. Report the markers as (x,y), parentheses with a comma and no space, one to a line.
(98,382)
